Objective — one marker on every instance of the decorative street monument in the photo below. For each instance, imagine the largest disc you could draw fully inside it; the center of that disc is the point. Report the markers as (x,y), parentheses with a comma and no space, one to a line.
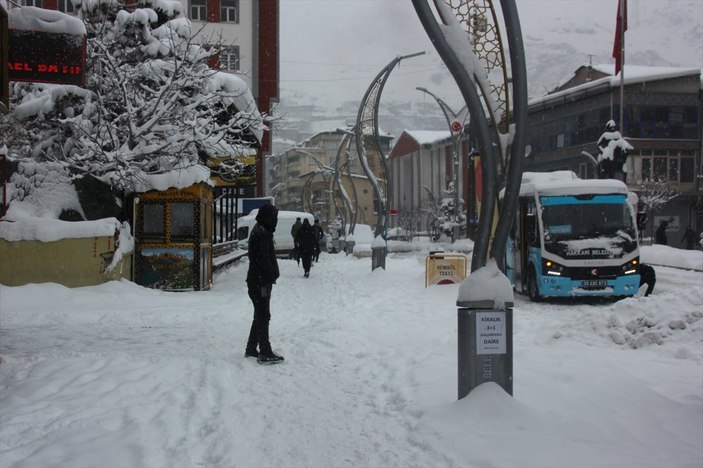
(485,298)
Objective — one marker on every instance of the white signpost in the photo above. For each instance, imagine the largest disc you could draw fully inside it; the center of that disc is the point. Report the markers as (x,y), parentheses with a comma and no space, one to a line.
(490,332)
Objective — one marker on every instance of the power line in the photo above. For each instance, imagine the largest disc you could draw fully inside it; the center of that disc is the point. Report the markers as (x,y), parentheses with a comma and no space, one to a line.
(366,77)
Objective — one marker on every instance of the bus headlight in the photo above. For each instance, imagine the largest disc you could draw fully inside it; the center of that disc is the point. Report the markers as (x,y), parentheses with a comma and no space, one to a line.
(552,268)
(631,267)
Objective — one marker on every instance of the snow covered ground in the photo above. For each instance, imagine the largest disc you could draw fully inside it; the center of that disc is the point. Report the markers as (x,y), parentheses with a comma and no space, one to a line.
(122,376)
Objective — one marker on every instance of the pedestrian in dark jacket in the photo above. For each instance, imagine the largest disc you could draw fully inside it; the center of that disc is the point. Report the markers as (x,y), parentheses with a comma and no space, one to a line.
(263,273)
(660,234)
(294,233)
(306,243)
(319,235)
(648,277)
(689,237)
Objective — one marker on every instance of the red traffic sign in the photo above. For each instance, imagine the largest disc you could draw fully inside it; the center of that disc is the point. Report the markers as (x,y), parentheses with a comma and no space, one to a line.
(456,126)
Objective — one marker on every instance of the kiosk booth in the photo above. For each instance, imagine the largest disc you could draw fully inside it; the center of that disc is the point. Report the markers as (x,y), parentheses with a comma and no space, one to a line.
(173,238)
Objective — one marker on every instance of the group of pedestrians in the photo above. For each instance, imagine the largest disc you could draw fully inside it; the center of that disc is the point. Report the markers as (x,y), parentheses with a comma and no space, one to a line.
(306,239)
(689,236)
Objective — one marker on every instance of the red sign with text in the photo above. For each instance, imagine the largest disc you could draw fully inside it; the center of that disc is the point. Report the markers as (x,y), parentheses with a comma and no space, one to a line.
(46,57)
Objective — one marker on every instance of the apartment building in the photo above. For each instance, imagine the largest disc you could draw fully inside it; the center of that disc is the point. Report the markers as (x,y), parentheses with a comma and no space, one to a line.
(303,178)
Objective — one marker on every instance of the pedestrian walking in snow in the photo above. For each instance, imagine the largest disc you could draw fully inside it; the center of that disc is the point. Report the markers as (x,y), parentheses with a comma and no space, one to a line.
(261,276)
(294,233)
(689,237)
(306,242)
(648,277)
(319,235)
(660,234)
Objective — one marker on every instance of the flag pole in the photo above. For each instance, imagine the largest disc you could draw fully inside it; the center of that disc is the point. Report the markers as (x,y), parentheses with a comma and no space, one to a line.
(622,7)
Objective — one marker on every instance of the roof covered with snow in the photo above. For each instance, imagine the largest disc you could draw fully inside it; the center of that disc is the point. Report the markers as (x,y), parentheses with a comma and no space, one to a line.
(567,183)
(426,137)
(39,19)
(632,74)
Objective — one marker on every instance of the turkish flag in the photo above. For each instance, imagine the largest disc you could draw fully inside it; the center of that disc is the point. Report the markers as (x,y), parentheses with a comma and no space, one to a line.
(620,28)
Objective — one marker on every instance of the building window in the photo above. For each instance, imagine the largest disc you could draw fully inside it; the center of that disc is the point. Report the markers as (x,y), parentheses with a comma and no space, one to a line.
(32,3)
(229,58)
(198,10)
(678,169)
(66,6)
(676,122)
(687,170)
(229,11)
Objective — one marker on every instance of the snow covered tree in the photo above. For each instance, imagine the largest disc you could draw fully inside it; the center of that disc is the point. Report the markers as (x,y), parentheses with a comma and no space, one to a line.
(612,153)
(653,195)
(409,224)
(150,103)
(443,215)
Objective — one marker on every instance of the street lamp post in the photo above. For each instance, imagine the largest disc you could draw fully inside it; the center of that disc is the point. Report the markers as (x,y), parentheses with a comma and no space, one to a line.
(456,122)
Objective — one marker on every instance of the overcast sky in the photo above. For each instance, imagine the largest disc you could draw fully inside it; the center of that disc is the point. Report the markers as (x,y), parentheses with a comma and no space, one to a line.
(334,48)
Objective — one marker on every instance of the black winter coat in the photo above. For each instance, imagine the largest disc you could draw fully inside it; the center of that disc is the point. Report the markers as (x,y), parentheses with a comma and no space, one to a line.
(306,238)
(263,266)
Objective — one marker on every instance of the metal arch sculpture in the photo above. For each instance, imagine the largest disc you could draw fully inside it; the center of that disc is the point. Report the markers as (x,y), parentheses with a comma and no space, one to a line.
(340,166)
(367,126)
(326,173)
(442,32)
(480,21)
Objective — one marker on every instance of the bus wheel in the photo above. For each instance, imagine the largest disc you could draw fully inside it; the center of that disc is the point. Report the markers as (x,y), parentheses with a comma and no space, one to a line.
(532,289)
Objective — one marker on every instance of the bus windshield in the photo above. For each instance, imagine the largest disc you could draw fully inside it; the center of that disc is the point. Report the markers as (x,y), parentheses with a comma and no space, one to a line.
(574,227)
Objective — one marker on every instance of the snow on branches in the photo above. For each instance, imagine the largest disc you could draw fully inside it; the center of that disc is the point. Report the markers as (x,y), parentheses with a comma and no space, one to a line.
(151,103)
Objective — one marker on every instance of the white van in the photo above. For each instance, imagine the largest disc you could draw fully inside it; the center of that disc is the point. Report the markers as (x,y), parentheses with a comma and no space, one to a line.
(281,238)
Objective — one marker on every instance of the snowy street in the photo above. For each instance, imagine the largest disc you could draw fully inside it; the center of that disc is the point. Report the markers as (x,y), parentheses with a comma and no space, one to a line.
(122,376)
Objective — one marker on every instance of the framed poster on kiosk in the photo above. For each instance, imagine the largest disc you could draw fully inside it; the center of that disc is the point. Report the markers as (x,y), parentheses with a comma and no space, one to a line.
(173,249)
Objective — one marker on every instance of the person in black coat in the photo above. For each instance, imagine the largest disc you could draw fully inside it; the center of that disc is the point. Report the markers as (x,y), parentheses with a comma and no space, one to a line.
(319,235)
(307,244)
(660,234)
(690,238)
(261,276)
(648,277)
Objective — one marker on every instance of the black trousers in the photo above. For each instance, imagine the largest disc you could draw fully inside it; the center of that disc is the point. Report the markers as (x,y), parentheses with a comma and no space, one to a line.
(648,277)
(260,296)
(307,260)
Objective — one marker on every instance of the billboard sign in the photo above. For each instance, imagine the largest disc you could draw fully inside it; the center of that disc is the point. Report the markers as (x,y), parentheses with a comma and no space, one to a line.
(45,47)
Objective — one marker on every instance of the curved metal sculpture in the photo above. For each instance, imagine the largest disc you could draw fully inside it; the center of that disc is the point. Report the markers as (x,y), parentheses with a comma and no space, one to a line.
(459,64)
(460,118)
(446,39)
(340,166)
(514,175)
(367,129)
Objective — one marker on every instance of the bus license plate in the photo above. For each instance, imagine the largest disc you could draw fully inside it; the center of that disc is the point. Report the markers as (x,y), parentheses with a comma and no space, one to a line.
(594,283)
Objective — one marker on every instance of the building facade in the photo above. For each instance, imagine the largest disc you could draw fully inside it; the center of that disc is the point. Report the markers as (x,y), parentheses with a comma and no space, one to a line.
(422,169)
(302,178)
(662,121)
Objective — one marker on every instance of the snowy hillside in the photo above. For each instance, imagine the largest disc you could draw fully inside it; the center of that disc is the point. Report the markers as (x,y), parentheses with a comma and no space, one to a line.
(559,37)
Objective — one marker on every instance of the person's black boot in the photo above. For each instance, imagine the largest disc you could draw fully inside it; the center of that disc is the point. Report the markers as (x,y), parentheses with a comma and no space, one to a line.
(252,342)
(269,358)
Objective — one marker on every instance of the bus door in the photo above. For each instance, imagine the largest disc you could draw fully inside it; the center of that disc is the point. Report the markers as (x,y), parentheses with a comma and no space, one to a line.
(528,237)
(513,263)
